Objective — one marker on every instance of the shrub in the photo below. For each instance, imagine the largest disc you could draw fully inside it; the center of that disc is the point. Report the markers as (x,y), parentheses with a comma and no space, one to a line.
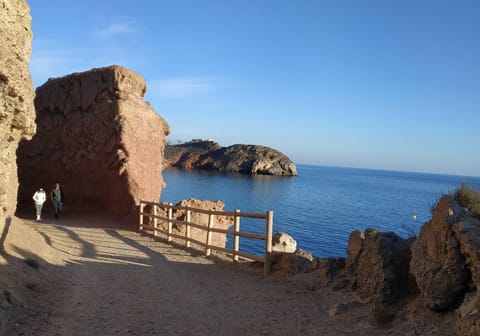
(469,198)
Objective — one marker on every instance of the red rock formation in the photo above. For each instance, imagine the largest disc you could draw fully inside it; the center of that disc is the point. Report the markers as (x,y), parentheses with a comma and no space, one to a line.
(98,138)
(16,96)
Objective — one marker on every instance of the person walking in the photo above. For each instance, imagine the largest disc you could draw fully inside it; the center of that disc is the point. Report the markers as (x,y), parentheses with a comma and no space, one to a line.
(57,199)
(39,198)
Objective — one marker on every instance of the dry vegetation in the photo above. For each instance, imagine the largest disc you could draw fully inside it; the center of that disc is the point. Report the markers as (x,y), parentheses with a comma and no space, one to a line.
(468,198)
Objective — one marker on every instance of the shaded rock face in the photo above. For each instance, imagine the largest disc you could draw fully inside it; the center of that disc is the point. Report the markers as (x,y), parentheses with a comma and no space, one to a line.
(437,263)
(245,159)
(377,265)
(330,269)
(300,261)
(98,138)
(446,264)
(17,113)
(220,222)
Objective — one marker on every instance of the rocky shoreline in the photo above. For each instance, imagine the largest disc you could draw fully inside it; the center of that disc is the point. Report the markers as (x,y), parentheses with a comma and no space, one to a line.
(440,268)
(244,159)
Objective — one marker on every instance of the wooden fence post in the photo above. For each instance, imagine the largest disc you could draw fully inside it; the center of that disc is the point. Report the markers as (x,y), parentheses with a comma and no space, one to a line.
(140,220)
(236,237)
(187,228)
(170,217)
(268,243)
(155,219)
(211,218)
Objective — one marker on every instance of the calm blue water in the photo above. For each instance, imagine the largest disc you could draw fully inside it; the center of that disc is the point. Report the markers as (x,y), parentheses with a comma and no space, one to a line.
(322,205)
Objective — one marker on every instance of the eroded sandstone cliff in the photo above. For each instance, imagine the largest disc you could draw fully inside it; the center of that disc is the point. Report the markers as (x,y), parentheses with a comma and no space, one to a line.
(16,95)
(98,138)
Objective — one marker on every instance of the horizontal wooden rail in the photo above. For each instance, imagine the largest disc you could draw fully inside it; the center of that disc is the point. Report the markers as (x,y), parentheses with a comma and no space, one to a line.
(152,220)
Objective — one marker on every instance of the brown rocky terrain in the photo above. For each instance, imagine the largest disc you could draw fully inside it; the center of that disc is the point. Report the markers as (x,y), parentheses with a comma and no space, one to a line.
(244,159)
(98,138)
(90,276)
(17,114)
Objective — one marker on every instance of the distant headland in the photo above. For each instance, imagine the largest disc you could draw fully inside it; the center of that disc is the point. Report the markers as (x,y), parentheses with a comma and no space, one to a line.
(245,159)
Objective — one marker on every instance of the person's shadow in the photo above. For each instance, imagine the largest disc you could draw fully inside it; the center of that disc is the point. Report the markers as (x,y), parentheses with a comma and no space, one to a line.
(6,228)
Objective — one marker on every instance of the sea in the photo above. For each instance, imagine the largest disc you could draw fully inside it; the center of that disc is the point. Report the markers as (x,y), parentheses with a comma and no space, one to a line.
(321,206)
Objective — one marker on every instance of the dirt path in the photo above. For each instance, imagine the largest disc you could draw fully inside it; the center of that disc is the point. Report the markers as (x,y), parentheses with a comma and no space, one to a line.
(119,282)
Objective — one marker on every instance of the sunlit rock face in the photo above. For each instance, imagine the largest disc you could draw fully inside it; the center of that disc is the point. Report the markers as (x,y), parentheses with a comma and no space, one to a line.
(17,113)
(98,138)
(244,159)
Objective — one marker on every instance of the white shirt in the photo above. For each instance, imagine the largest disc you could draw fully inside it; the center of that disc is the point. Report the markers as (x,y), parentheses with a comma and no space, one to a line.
(40,197)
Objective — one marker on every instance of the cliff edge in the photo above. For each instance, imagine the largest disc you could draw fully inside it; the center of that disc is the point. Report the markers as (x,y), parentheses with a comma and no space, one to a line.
(244,159)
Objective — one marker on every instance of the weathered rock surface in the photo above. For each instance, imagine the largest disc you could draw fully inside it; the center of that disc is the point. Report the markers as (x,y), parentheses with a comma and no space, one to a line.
(98,138)
(283,242)
(17,114)
(331,269)
(467,232)
(378,265)
(220,222)
(437,263)
(245,159)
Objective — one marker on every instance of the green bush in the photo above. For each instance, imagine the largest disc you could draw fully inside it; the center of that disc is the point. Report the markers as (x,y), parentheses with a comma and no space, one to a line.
(469,198)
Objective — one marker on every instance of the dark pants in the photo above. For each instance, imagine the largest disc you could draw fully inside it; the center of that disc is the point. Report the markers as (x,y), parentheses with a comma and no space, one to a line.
(57,207)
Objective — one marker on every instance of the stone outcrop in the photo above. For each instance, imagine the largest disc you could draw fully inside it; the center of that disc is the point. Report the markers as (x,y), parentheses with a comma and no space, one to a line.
(331,269)
(17,114)
(245,159)
(377,265)
(220,222)
(437,263)
(446,264)
(98,138)
(283,242)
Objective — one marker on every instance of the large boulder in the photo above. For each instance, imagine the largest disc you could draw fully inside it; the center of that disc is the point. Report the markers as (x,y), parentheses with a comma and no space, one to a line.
(377,265)
(17,114)
(437,263)
(245,159)
(98,137)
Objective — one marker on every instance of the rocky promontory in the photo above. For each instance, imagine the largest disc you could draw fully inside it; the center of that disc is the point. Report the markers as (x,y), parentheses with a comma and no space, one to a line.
(98,137)
(244,159)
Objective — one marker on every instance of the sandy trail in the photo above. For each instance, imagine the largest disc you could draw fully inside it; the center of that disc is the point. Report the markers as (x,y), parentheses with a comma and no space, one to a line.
(120,282)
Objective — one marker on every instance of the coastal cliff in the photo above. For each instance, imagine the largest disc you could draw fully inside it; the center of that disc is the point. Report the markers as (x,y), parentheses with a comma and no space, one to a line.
(244,159)
(17,114)
(98,137)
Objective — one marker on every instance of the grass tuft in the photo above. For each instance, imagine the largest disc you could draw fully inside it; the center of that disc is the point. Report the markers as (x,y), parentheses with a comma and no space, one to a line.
(469,198)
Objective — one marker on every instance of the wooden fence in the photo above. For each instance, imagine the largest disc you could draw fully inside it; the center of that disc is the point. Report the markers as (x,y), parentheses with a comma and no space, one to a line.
(154,219)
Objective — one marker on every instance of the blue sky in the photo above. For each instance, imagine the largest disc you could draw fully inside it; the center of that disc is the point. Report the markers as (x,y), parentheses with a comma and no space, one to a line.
(374,84)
